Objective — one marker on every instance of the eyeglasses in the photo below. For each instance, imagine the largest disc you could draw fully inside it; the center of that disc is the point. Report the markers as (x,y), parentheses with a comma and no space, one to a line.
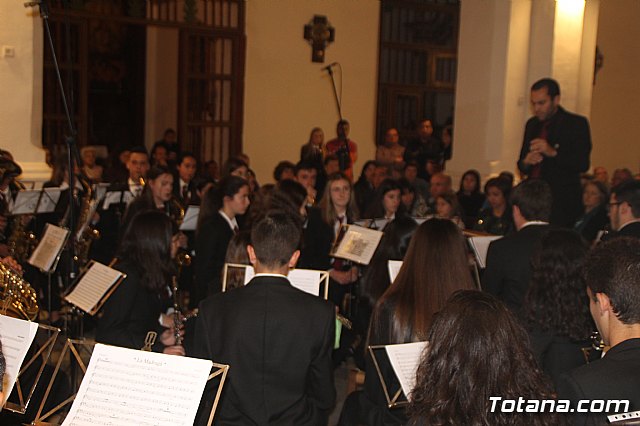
(610,205)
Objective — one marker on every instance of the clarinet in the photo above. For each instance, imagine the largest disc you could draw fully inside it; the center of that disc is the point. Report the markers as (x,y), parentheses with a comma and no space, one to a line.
(177,320)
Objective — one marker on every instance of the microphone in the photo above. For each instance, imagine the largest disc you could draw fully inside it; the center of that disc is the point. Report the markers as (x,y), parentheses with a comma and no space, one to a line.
(32,3)
(328,67)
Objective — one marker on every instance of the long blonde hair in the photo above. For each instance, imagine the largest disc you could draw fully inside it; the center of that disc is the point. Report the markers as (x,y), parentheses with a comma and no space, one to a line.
(327,208)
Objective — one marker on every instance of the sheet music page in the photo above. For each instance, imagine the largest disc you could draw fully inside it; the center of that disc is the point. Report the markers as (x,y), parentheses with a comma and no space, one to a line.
(95,282)
(394,268)
(26,202)
(190,220)
(49,247)
(16,336)
(111,197)
(405,359)
(358,244)
(480,246)
(124,387)
(306,280)
(49,200)
(101,190)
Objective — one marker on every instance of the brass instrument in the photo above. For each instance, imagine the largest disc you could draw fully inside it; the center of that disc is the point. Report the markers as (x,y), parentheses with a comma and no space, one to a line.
(21,242)
(17,297)
(85,235)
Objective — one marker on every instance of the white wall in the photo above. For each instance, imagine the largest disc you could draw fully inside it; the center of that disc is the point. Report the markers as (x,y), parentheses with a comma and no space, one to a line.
(286,94)
(21,88)
(615,108)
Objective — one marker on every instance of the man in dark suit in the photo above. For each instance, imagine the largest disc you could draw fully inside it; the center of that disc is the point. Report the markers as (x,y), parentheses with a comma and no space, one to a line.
(509,259)
(624,210)
(613,284)
(556,148)
(276,339)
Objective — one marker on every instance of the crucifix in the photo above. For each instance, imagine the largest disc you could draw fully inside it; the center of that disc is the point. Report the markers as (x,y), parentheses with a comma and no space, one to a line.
(319,33)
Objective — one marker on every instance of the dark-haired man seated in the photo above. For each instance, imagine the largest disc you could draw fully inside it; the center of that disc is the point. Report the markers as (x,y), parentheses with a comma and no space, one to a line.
(276,339)
(612,275)
(509,259)
(624,210)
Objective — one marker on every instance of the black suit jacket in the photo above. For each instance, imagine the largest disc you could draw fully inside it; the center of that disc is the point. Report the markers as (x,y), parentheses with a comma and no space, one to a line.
(631,230)
(616,376)
(130,312)
(193,199)
(277,341)
(508,269)
(569,134)
(212,239)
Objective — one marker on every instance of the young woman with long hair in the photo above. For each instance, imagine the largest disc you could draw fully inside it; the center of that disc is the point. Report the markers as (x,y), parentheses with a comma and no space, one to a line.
(145,255)
(387,201)
(217,224)
(156,195)
(477,349)
(470,197)
(434,267)
(556,306)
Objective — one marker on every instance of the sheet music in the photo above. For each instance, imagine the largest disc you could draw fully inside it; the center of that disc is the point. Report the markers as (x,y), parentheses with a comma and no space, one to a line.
(394,268)
(16,336)
(306,280)
(190,220)
(405,359)
(49,247)
(480,245)
(49,199)
(26,202)
(117,197)
(93,285)
(124,387)
(101,190)
(378,224)
(358,244)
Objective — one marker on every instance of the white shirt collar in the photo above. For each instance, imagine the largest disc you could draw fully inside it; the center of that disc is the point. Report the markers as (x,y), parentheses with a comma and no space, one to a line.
(533,222)
(233,223)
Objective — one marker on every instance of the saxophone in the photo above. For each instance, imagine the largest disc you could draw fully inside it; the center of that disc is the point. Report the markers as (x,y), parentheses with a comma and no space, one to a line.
(85,233)
(21,242)
(17,298)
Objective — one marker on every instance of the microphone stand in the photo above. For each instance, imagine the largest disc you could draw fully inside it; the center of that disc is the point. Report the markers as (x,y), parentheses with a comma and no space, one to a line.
(73,156)
(329,69)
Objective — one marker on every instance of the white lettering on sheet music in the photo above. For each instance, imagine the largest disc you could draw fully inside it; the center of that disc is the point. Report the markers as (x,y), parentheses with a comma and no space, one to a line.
(125,387)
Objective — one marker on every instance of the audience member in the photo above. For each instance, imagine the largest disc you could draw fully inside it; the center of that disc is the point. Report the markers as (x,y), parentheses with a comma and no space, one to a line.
(90,167)
(284,170)
(344,148)
(439,185)
(447,207)
(313,151)
(594,219)
(470,197)
(600,174)
(390,152)
(620,175)
(425,147)
(497,217)
(363,188)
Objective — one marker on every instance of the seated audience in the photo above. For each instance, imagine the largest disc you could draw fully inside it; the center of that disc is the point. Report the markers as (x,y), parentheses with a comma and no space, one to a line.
(477,350)
(600,174)
(363,188)
(313,151)
(496,218)
(470,198)
(390,152)
(447,207)
(620,175)
(595,218)
(440,184)
(612,276)
(345,148)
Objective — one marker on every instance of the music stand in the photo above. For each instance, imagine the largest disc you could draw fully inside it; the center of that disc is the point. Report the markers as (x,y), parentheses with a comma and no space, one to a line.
(324,276)
(43,354)
(395,397)
(80,348)
(102,299)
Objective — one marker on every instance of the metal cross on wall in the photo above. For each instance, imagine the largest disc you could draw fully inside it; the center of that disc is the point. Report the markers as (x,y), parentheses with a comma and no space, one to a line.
(319,33)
